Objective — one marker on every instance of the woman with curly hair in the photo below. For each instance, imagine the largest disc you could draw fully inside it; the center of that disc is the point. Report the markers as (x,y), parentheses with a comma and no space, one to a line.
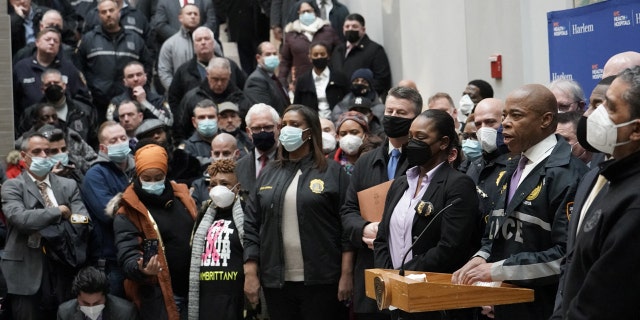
(216,277)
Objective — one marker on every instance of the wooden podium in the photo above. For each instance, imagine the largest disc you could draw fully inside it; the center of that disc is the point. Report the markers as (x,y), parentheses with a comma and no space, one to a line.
(438,293)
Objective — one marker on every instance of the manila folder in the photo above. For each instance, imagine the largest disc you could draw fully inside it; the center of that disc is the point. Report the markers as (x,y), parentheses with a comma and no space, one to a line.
(371,201)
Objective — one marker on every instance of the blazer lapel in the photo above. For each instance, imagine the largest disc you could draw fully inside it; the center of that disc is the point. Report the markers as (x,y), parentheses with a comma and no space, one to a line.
(58,191)
(32,188)
(580,197)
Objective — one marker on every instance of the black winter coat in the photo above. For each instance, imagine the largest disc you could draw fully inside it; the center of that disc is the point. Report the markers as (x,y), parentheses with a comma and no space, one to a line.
(526,238)
(367,54)
(319,197)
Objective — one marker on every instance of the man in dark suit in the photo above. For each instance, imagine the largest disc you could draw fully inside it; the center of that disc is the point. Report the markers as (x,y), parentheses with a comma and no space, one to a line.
(165,20)
(248,25)
(361,52)
(93,301)
(525,239)
(263,124)
(263,86)
(375,167)
(41,209)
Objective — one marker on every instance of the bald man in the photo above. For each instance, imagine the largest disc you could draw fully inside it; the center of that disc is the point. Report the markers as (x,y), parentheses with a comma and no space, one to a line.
(408,83)
(486,170)
(525,242)
(224,146)
(619,62)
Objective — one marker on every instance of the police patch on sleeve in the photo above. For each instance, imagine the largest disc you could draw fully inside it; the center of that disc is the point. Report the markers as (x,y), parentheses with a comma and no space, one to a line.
(569,210)
(316,186)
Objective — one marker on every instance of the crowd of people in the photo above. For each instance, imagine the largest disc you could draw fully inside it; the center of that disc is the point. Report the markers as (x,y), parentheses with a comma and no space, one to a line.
(153,178)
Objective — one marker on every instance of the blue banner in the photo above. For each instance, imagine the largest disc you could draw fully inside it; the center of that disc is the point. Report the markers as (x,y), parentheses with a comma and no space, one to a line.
(581,40)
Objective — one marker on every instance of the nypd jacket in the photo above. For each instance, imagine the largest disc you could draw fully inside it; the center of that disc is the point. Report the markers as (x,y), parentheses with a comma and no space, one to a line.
(103,59)
(319,197)
(27,85)
(525,239)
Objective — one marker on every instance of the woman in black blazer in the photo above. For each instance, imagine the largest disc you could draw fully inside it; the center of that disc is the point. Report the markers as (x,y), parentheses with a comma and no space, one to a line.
(414,199)
(337,86)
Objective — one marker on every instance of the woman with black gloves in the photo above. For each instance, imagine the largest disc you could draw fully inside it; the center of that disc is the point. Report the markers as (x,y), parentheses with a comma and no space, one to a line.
(293,235)
(414,200)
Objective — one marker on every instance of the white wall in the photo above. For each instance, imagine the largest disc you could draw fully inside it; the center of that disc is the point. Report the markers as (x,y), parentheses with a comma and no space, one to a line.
(443,44)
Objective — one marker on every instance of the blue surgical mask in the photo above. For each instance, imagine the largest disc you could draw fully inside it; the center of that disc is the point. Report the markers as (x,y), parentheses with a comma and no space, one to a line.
(118,152)
(62,157)
(271,62)
(307,18)
(291,138)
(208,127)
(40,166)
(155,188)
(472,149)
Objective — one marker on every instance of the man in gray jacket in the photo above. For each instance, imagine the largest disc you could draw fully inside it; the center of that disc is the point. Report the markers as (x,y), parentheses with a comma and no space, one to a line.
(45,216)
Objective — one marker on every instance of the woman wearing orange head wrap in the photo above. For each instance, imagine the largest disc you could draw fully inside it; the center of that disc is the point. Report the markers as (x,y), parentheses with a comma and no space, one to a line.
(153,208)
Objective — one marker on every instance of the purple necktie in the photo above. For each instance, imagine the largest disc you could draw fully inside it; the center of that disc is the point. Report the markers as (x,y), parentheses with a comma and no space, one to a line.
(515,179)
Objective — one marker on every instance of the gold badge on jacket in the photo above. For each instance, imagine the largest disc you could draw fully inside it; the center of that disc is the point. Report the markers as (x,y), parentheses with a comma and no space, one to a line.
(316,186)
(424,208)
(500,175)
(535,192)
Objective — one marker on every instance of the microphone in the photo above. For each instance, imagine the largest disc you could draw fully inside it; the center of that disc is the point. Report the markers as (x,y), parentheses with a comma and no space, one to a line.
(404,257)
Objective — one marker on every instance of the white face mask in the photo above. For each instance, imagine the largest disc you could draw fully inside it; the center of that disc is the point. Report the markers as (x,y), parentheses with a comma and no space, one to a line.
(222,197)
(92,312)
(487,137)
(350,144)
(464,108)
(602,133)
(328,142)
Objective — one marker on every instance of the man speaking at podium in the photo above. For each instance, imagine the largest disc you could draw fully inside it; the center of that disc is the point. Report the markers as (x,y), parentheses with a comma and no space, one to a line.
(525,239)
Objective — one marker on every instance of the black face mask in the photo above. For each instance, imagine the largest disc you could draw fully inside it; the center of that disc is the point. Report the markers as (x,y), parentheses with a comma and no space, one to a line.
(418,153)
(581,134)
(359,90)
(320,63)
(396,127)
(263,141)
(352,35)
(53,93)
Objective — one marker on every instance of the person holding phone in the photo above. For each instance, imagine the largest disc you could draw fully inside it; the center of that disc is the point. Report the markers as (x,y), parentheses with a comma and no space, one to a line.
(154,208)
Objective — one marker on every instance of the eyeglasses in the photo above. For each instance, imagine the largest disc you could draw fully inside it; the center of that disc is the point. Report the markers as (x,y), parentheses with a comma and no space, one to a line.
(469,135)
(565,107)
(257,130)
